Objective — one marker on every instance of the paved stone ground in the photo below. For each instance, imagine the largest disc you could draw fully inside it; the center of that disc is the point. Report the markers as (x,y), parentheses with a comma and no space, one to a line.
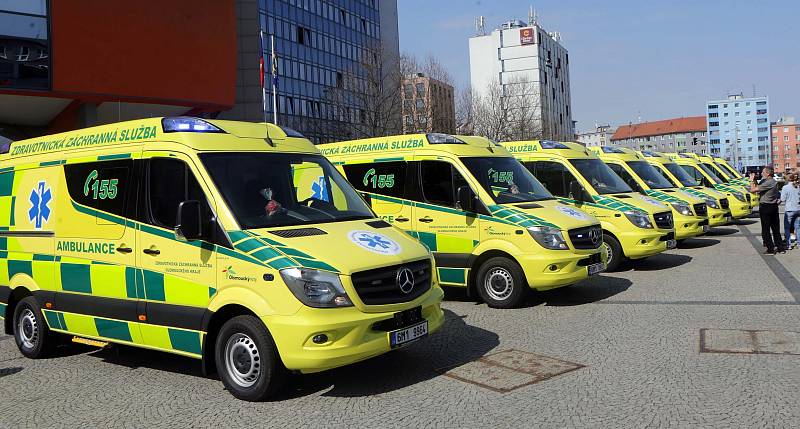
(636,333)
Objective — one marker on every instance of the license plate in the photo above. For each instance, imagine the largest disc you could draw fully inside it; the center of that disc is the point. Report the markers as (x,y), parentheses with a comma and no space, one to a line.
(596,268)
(671,244)
(706,228)
(407,335)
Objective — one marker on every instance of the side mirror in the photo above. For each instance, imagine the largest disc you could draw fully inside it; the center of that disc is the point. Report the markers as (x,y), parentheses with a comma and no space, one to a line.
(189,224)
(367,198)
(466,199)
(576,191)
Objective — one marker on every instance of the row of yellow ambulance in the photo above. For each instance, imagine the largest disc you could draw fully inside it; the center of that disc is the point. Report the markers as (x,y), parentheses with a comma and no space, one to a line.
(247,247)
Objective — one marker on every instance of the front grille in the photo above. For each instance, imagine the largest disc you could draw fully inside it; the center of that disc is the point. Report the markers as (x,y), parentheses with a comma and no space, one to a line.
(581,238)
(703,222)
(669,236)
(663,220)
(700,209)
(379,286)
(748,197)
(594,259)
(299,232)
(724,203)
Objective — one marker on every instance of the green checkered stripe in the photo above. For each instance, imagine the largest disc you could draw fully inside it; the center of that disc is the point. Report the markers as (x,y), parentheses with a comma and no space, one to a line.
(102,279)
(507,217)
(273,253)
(184,340)
(663,196)
(726,188)
(453,276)
(697,193)
(602,202)
(7,199)
(518,217)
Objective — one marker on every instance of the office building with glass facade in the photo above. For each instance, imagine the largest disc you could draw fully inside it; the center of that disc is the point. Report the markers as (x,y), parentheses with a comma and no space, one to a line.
(739,131)
(327,52)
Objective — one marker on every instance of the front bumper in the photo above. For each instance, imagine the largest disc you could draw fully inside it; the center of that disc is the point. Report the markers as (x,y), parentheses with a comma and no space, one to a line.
(688,226)
(569,267)
(738,208)
(718,217)
(641,243)
(351,337)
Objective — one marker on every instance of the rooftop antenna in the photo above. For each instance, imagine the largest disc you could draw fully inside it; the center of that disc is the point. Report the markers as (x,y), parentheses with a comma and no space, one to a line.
(480,25)
(754,90)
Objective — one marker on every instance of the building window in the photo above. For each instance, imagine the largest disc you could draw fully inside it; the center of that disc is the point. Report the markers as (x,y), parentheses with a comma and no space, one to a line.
(24,45)
(713,115)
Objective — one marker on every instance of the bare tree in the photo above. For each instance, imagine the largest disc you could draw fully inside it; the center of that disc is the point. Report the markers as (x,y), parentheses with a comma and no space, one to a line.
(363,103)
(465,117)
(506,112)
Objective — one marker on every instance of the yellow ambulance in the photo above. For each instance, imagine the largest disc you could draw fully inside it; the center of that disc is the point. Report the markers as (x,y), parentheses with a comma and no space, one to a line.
(635,226)
(719,212)
(194,237)
(492,227)
(730,176)
(738,197)
(689,212)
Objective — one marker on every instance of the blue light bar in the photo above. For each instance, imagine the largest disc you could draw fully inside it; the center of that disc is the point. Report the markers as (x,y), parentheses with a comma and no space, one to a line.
(650,154)
(609,149)
(291,132)
(440,138)
(550,144)
(188,124)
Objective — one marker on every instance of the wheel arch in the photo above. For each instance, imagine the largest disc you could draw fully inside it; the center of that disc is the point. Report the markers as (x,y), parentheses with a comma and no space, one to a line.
(17,294)
(478,260)
(212,325)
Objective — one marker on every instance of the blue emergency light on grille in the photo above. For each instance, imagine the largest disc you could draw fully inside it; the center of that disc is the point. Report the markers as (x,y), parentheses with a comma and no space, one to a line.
(188,124)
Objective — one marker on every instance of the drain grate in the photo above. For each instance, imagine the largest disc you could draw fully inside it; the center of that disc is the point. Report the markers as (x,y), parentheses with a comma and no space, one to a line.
(510,369)
(749,341)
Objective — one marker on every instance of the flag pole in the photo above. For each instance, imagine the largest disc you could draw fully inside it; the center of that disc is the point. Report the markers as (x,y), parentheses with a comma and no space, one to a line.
(274,81)
(261,81)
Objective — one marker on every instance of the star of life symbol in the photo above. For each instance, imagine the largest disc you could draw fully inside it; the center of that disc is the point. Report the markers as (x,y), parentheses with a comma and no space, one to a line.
(569,211)
(319,190)
(373,242)
(40,198)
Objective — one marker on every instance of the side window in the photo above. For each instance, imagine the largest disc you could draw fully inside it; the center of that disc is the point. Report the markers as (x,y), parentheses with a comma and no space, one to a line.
(384,178)
(101,185)
(553,175)
(169,182)
(665,173)
(693,172)
(439,182)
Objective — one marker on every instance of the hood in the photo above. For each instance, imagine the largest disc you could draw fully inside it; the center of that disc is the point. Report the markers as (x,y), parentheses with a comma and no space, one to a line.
(650,204)
(343,247)
(701,192)
(552,213)
(629,201)
(670,196)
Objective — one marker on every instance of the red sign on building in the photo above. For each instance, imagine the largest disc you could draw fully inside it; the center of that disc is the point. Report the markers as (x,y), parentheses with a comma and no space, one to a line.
(526,36)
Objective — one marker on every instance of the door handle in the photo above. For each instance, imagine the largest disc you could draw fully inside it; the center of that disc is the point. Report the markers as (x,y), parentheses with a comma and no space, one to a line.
(401,219)
(426,219)
(152,252)
(124,249)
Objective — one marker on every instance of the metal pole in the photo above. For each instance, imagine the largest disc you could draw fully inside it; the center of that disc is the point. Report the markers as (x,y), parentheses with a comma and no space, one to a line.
(274,67)
(736,147)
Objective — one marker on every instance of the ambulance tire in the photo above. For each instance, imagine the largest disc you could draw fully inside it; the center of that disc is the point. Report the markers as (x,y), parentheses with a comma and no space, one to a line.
(614,255)
(501,283)
(31,333)
(247,360)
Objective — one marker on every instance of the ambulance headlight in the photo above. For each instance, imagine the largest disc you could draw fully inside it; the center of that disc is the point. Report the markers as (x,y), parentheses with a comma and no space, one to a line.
(711,202)
(683,209)
(314,288)
(548,237)
(739,196)
(640,219)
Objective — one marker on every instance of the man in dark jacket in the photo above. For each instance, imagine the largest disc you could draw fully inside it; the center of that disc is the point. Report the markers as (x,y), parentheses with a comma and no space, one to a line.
(768,199)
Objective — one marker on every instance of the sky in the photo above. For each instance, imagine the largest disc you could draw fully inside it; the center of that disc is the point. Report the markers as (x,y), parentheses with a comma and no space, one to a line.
(635,60)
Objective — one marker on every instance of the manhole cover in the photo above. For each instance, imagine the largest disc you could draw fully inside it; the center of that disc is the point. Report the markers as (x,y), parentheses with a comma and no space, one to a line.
(510,369)
(749,341)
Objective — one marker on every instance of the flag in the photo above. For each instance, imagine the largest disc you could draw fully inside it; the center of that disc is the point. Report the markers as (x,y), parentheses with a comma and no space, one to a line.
(261,60)
(274,67)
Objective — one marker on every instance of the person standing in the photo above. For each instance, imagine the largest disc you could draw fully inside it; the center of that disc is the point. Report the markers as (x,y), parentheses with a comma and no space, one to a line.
(768,199)
(790,196)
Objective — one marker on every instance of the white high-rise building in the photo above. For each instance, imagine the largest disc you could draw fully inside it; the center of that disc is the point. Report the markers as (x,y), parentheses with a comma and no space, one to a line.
(519,52)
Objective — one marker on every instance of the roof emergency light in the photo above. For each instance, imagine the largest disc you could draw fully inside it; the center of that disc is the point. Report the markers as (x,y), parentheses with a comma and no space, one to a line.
(188,124)
(550,144)
(440,138)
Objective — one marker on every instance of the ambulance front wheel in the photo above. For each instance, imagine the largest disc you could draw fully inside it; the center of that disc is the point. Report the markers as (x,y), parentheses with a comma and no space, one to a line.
(247,360)
(31,333)
(501,283)
(613,250)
